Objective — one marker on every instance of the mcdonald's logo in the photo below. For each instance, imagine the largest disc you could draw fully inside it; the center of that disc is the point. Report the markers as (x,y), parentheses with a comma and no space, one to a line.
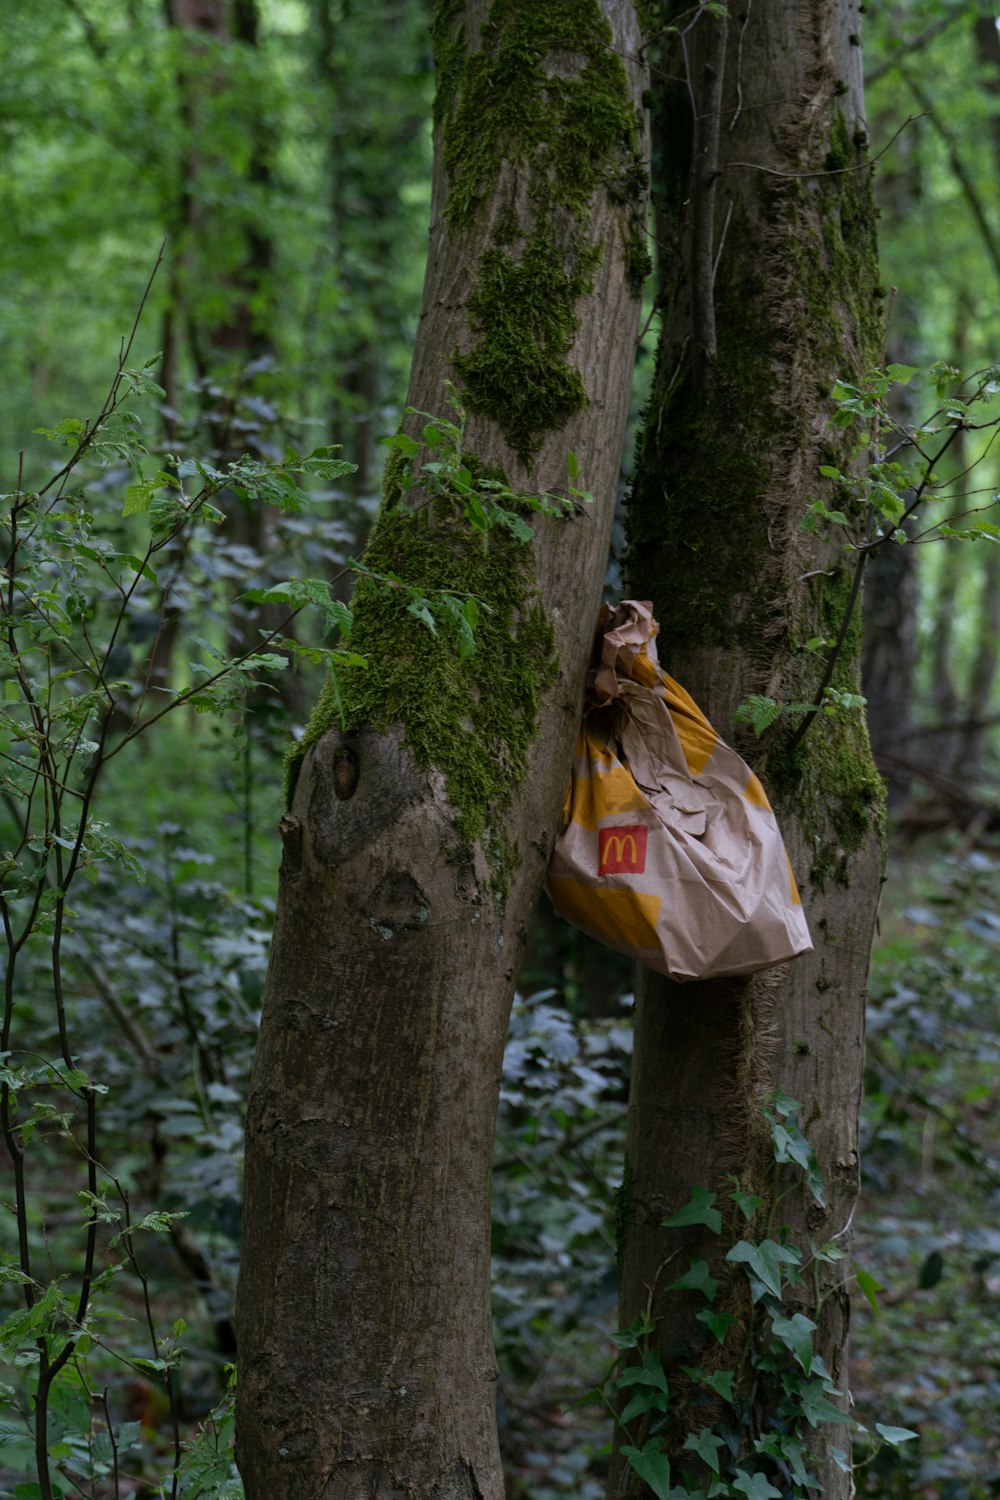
(622,850)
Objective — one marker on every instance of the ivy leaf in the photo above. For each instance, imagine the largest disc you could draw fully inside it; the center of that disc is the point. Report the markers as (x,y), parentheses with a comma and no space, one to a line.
(796,1334)
(747,1203)
(642,1401)
(718,1322)
(696,1280)
(870,1289)
(651,1465)
(706,1444)
(817,1407)
(632,1336)
(895,1435)
(791,1451)
(755,1486)
(789,1142)
(698,1210)
(765,1260)
(650,1373)
(721,1382)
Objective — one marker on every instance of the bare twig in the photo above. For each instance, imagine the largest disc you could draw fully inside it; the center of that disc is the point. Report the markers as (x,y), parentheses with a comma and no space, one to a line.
(861,166)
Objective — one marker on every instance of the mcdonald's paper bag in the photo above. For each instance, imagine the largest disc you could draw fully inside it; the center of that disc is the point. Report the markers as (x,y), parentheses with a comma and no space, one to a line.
(668,849)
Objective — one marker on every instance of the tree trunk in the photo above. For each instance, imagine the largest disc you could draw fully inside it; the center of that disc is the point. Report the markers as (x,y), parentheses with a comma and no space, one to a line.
(762,140)
(419,832)
(983,676)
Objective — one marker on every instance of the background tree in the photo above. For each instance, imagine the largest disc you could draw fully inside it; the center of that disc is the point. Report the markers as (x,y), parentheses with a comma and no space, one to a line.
(770,292)
(421,821)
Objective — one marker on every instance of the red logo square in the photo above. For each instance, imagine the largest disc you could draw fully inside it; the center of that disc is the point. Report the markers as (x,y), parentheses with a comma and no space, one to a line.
(622,850)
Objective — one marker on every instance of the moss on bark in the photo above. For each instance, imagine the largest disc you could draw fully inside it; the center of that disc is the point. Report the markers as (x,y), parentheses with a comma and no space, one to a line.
(472,718)
(546,96)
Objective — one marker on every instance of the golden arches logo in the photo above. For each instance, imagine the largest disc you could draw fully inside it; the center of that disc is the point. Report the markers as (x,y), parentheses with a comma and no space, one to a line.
(622,849)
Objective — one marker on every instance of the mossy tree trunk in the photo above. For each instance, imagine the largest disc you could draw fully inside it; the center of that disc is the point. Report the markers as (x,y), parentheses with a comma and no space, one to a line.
(770,286)
(419,832)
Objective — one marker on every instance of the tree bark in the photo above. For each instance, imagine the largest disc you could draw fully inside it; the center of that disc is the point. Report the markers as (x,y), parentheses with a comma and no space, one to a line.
(419,833)
(728,467)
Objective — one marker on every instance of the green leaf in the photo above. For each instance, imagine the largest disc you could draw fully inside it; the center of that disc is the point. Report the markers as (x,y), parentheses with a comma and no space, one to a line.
(829,472)
(651,1465)
(139,497)
(706,1444)
(791,1451)
(697,1279)
(643,1401)
(721,1382)
(419,608)
(754,1486)
(796,1334)
(718,1322)
(758,711)
(870,1289)
(403,443)
(572,465)
(817,1406)
(632,1336)
(650,1373)
(697,1210)
(765,1261)
(901,374)
(895,1435)
(789,1142)
(747,1203)
(65,432)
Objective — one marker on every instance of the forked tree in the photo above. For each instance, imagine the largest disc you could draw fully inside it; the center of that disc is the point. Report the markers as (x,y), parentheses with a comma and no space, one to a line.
(770,295)
(427,797)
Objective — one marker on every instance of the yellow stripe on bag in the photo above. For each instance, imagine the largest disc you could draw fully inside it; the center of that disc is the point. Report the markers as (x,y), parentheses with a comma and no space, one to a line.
(755,794)
(623,918)
(604,789)
(796,898)
(698,738)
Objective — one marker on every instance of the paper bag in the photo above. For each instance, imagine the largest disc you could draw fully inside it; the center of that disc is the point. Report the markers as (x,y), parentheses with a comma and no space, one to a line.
(668,849)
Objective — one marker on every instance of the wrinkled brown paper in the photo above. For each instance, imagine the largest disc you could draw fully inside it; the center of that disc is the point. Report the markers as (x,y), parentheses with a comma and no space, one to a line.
(668,850)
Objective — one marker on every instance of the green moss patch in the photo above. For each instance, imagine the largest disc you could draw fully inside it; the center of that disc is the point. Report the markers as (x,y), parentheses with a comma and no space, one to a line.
(547,95)
(472,719)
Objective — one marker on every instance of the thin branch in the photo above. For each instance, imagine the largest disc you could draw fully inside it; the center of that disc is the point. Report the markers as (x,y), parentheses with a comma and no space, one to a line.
(705,177)
(957,166)
(912,44)
(861,166)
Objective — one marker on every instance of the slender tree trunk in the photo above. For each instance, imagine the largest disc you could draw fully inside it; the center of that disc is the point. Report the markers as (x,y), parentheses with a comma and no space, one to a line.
(419,832)
(762,139)
(983,677)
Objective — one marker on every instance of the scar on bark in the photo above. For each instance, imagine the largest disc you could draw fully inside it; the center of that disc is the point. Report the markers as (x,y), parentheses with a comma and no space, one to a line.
(290,830)
(345,773)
